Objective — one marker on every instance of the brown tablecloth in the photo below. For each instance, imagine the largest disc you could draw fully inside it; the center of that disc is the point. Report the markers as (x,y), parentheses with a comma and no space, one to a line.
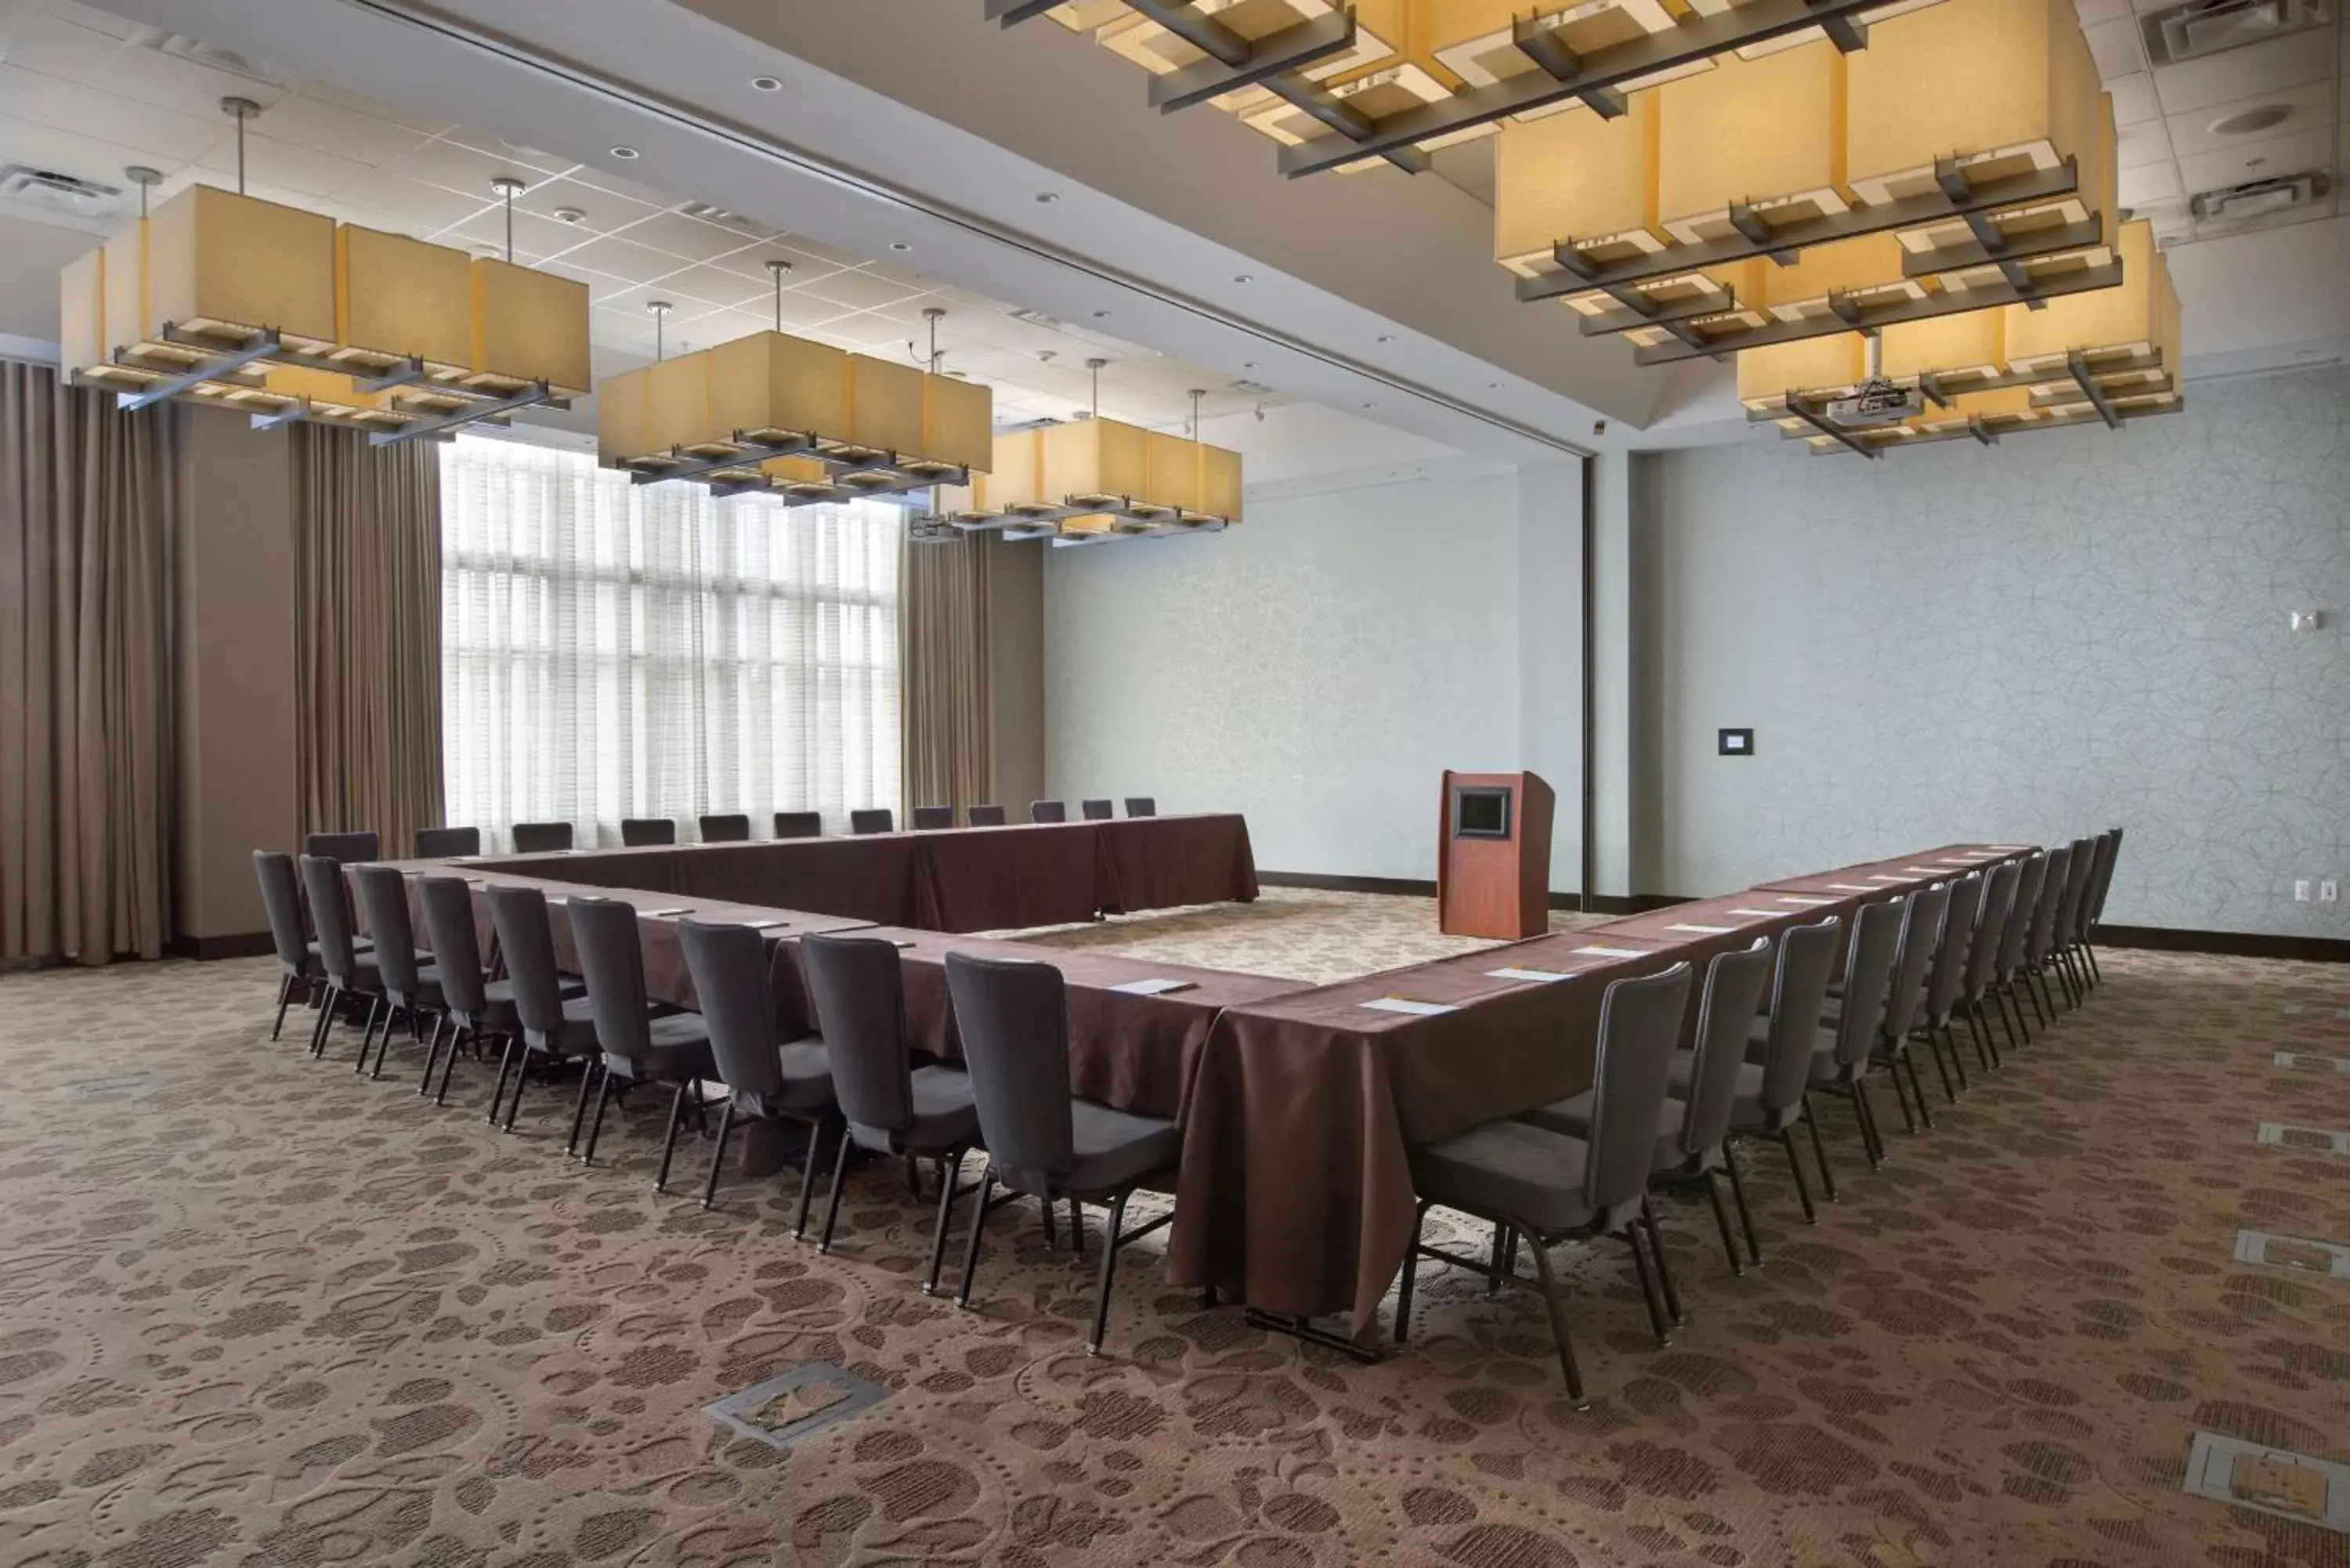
(1004,878)
(1163,862)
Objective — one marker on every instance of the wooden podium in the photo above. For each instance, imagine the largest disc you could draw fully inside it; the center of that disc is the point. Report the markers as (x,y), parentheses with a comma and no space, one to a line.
(1493,855)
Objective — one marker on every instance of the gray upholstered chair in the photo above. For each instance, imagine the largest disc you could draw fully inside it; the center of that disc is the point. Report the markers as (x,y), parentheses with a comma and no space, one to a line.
(872,819)
(1141,805)
(1981,971)
(1098,810)
(350,972)
(349,848)
(1048,811)
(551,1027)
(1042,1141)
(2101,882)
(641,1043)
(767,1077)
(1774,1085)
(1946,976)
(648,832)
(411,989)
(892,1106)
(933,816)
(1904,1003)
(1543,1188)
(2039,936)
(799,825)
(725,828)
(985,816)
(1693,1124)
(1841,1048)
(477,1007)
(2065,956)
(541,838)
(297,955)
(442,842)
(2016,937)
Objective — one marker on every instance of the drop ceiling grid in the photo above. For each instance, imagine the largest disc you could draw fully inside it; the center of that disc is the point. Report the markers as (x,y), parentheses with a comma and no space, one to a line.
(2168,149)
(87,93)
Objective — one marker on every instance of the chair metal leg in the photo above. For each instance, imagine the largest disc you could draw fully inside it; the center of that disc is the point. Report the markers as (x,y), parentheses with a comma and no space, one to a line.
(1795,1169)
(367,1040)
(718,1152)
(458,1035)
(284,999)
(1721,1224)
(596,1120)
(590,1072)
(947,1175)
(1901,1096)
(1957,1062)
(669,1139)
(1411,1270)
(2096,973)
(978,1231)
(1076,1228)
(1558,1332)
(1871,1140)
(1497,1262)
(1819,1151)
(505,1063)
(1738,1193)
(808,1175)
(2036,989)
(832,1203)
(1631,1235)
(432,1055)
(522,1076)
(1941,1068)
(1052,1225)
(1664,1264)
(325,1023)
(1918,1088)
(1108,1269)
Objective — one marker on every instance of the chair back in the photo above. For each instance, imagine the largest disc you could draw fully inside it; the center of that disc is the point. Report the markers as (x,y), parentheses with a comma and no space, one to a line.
(985,816)
(1639,1021)
(731,827)
(1948,971)
(1048,811)
(2076,891)
(646,832)
(456,945)
(1798,996)
(612,961)
(518,914)
(349,848)
(1991,929)
(330,916)
(860,1010)
(2041,938)
(729,966)
(1013,1020)
(2104,880)
(383,896)
(874,819)
(541,838)
(281,899)
(1867,979)
(799,825)
(933,816)
(1141,805)
(1725,1015)
(1096,810)
(2012,939)
(1922,934)
(441,842)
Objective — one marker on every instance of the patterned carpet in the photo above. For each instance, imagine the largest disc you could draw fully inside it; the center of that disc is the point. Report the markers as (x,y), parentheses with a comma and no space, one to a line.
(256,1311)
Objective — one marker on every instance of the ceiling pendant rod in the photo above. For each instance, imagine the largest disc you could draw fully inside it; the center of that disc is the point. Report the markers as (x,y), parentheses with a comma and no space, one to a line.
(508,187)
(240,109)
(931,314)
(660,309)
(776,270)
(146,179)
(1196,394)
(1096,367)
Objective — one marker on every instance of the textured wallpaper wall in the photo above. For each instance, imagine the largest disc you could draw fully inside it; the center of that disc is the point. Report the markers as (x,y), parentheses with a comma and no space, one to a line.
(2071,630)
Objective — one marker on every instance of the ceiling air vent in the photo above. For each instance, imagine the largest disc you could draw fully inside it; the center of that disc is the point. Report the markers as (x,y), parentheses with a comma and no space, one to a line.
(709,212)
(2177,33)
(1249,388)
(55,192)
(209,55)
(2256,200)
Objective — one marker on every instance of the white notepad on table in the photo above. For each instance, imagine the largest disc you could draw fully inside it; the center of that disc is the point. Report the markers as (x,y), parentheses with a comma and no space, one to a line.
(1887,876)
(1541,976)
(1405,1004)
(1764,914)
(1157,985)
(1796,898)
(769,925)
(1853,887)
(1704,930)
(1615,952)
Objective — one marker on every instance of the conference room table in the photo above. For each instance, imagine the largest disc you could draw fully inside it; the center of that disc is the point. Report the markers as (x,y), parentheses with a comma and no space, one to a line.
(1295,1192)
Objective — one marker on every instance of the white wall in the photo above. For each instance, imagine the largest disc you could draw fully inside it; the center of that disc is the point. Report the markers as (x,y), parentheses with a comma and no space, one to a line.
(2071,630)
(1319,666)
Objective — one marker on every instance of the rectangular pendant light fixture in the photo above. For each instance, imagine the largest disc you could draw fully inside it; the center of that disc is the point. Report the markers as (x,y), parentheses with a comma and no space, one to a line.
(1097,477)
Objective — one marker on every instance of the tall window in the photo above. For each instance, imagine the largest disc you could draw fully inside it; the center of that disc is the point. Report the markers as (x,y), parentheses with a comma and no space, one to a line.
(611,649)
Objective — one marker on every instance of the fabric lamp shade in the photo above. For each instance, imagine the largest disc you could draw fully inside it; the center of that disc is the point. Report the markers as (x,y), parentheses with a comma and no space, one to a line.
(2138,315)
(1219,482)
(1971,342)
(885,405)
(1766,374)
(329,390)
(1871,264)
(402,298)
(772,386)
(621,418)
(82,341)
(1171,471)
(958,423)
(529,326)
(1473,41)
(210,261)
(1096,462)
(1577,176)
(1768,132)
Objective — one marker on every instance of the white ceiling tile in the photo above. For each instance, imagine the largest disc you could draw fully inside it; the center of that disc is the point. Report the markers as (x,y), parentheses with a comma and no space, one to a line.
(2244,73)
(2117,47)
(2140,145)
(334,128)
(2307,108)
(29,93)
(2262,160)
(857,290)
(413,205)
(302,169)
(375,108)
(59,48)
(2093,12)
(2153,183)
(619,258)
(127,123)
(533,234)
(820,250)
(752,264)
(688,238)
(69,153)
(714,327)
(715,285)
(603,211)
(171,81)
(491,144)
(599,284)
(455,167)
(2134,99)
(90,16)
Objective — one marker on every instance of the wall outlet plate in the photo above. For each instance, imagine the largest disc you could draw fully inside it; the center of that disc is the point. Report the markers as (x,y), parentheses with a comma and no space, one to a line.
(2301,891)
(2328,891)
(1734,743)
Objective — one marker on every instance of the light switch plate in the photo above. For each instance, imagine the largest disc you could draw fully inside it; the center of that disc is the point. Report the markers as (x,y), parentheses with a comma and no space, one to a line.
(1734,743)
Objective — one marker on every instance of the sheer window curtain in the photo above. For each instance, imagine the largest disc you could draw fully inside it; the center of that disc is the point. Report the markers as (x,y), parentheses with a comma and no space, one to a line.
(612,651)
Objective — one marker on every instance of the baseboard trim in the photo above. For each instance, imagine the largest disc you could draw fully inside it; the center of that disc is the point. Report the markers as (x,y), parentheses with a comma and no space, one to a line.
(2227,944)
(237,945)
(1410,887)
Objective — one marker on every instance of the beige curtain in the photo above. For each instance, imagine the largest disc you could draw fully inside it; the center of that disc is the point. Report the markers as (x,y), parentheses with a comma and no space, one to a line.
(84,672)
(367,635)
(949,755)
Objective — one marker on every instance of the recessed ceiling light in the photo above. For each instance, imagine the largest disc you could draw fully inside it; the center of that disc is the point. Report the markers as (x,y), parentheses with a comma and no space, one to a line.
(1248,364)
(1386,337)
(624,153)
(1370,405)
(1101,315)
(1492,386)
(899,246)
(2245,121)
(1048,197)
(767,83)
(1243,277)
(570,215)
